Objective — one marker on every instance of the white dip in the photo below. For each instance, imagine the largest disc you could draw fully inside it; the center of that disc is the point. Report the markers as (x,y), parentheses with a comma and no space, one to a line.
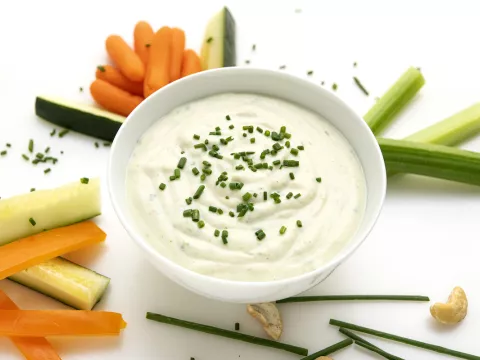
(330,210)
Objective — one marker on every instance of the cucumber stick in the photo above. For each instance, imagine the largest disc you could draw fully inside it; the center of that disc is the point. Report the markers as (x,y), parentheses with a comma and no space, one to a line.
(48,209)
(390,104)
(65,281)
(219,45)
(431,160)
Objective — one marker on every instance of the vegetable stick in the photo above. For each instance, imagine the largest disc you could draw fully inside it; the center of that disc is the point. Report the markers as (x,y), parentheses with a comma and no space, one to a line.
(32,348)
(127,61)
(159,57)
(190,63)
(177,48)
(43,323)
(113,98)
(142,36)
(21,254)
(113,76)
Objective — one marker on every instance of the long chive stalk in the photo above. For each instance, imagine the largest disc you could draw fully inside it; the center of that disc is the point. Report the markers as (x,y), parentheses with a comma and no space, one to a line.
(384,335)
(378,351)
(437,161)
(329,350)
(226,333)
(358,340)
(390,104)
(353,298)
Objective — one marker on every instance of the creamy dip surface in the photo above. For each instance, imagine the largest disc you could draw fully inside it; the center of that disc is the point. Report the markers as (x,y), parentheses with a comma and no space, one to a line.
(329,179)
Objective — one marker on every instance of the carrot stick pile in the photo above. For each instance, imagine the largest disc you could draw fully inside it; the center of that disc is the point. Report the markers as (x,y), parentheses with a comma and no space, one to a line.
(156,59)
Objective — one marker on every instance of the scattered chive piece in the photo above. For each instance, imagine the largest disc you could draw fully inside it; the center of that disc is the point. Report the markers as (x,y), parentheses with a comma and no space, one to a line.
(223,185)
(54,131)
(287,144)
(188,201)
(101,68)
(201,224)
(182,162)
(187,213)
(216,233)
(96,145)
(288,135)
(255,195)
(246,196)
(292,176)
(283,229)
(301,147)
(276,162)
(354,298)
(404,340)
(299,223)
(35,161)
(39,156)
(9,145)
(219,211)
(25,157)
(297,196)
(360,85)
(227,197)
(86,180)
(310,72)
(207,171)
(195,215)
(291,163)
(275,136)
(239,167)
(64,132)
(106,144)
(259,129)
(228,117)
(254,47)
(294,151)
(319,179)
(47,150)
(32,189)
(258,166)
(200,146)
(203,177)
(46,171)
(3,153)
(176,172)
(196,137)
(199,192)
(260,235)
(355,64)
(334,87)
(162,186)
(252,140)
(206,163)
(283,129)
(225,240)
(172,177)
(265,196)
(195,171)
(377,350)
(267,133)
(244,135)
(329,350)
(30,145)
(32,221)
(212,209)
(247,61)
(237,326)
(231,127)
(209,40)
(277,146)
(206,141)
(231,213)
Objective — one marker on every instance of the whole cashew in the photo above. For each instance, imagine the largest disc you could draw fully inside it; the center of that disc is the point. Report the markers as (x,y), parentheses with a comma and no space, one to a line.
(269,316)
(454,310)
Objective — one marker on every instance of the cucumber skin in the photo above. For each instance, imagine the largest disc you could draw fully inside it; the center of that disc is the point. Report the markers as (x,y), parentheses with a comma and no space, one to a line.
(77,120)
(229,42)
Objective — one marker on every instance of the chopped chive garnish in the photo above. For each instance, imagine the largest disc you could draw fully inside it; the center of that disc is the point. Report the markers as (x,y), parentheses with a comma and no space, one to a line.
(106,144)
(212,209)
(231,213)
(289,195)
(3,153)
(260,234)
(216,233)
(252,140)
(195,171)
(47,150)
(319,179)
(30,145)
(246,196)
(227,197)
(46,171)
(85,180)
(275,136)
(182,162)
(206,163)
(35,161)
(300,147)
(267,133)
(209,40)
(310,72)
(203,177)
(244,135)
(294,151)
(299,223)
(207,171)
(32,189)
(237,326)
(172,177)
(199,192)
(206,141)
(196,137)
(259,129)
(334,87)
(291,163)
(231,127)
(201,224)
(97,145)
(283,129)
(216,133)
(39,156)
(25,157)
(64,132)
(223,185)
(360,85)
(101,68)
(292,176)
(252,168)
(188,200)
(225,240)
(228,117)
(218,128)
(162,186)
(287,144)
(239,167)
(176,172)
(277,146)
(195,215)
(258,166)
(219,211)
(265,197)
(297,196)
(54,131)
(200,146)
(215,148)
(32,221)
(283,229)
(288,135)
(276,162)
(277,200)
(187,213)
(265,165)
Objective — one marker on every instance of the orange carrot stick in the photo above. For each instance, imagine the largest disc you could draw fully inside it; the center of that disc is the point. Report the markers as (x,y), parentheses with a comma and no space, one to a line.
(24,253)
(43,323)
(127,61)
(191,63)
(113,76)
(178,45)
(32,348)
(158,68)
(113,98)
(142,36)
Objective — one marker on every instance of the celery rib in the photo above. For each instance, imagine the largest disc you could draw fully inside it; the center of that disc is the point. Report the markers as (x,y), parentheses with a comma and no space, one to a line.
(390,104)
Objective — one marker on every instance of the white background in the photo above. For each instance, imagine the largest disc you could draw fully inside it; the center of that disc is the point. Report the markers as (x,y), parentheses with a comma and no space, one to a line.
(427,238)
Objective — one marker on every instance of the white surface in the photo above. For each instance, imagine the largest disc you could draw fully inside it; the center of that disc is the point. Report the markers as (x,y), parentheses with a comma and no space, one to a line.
(266,82)
(426,240)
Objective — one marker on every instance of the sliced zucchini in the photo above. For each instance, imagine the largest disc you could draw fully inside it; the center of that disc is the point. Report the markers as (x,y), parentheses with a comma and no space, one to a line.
(218,47)
(83,118)
(34,212)
(65,281)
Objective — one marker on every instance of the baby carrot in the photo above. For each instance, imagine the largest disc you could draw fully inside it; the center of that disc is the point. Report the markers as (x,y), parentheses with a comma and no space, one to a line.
(127,61)
(178,45)
(158,68)
(111,75)
(113,98)
(190,63)
(142,36)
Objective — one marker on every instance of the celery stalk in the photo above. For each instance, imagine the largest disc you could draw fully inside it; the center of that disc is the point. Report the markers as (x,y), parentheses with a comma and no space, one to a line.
(431,160)
(390,104)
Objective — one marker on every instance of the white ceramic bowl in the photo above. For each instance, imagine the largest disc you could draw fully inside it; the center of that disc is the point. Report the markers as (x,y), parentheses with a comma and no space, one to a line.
(266,82)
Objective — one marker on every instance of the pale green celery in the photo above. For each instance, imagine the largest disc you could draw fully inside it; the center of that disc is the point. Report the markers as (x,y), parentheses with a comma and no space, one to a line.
(390,104)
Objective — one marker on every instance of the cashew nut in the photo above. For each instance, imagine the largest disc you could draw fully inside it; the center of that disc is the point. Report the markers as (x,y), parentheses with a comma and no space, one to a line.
(269,317)
(454,310)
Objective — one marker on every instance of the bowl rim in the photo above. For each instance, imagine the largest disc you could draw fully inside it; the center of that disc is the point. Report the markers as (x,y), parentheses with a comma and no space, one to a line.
(148,248)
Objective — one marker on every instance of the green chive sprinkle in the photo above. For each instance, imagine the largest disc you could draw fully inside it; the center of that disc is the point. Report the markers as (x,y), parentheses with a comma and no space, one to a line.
(182,162)
(206,163)
(187,213)
(209,40)
(54,131)
(101,68)
(259,129)
(32,189)
(216,133)
(299,223)
(199,192)
(227,197)
(292,176)
(231,213)
(294,151)
(310,72)
(3,153)
(223,185)
(291,163)
(267,133)
(289,195)
(276,162)
(265,197)
(283,229)
(252,140)
(39,156)
(244,135)
(172,177)
(219,211)
(63,133)
(196,137)
(260,235)
(207,171)
(287,144)
(216,233)
(212,209)
(283,129)
(360,85)
(30,145)
(176,172)
(275,136)
(195,171)
(297,196)
(188,200)
(246,196)
(231,127)
(86,180)
(201,224)
(195,215)
(97,145)
(334,87)
(228,117)
(106,144)
(203,177)
(237,326)
(200,146)
(239,167)
(35,161)
(32,221)
(288,136)
(206,141)
(258,166)
(47,150)
(300,147)
(25,157)
(46,171)
(319,179)
(162,186)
